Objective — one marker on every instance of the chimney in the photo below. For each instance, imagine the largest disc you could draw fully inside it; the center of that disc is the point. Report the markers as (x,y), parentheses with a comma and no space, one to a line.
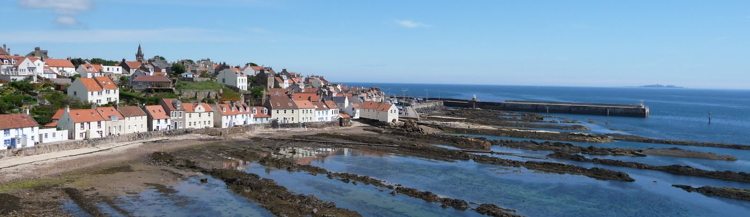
(67,109)
(26,111)
(117,104)
(37,48)
(5,48)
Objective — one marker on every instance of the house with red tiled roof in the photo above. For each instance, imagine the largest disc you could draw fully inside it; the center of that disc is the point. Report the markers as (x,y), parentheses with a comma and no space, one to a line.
(306,111)
(283,109)
(82,124)
(61,66)
(232,114)
(198,115)
(309,96)
(18,131)
(97,90)
(90,70)
(150,82)
(383,112)
(157,118)
(23,68)
(233,77)
(129,67)
(135,120)
(114,120)
(261,115)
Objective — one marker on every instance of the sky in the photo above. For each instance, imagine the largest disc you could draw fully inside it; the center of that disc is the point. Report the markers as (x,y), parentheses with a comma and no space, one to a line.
(697,44)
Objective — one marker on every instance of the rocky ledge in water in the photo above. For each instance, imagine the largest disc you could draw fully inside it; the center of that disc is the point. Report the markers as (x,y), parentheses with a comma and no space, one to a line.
(632,138)
(674,169)
(273,197)
(591,150)
(734,193)
(289,165)
(417,147)
(500,118)
(530,134)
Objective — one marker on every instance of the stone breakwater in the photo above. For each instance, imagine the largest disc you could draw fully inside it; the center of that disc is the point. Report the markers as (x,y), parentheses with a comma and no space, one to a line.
(591,150)
(673,169)
(632,138)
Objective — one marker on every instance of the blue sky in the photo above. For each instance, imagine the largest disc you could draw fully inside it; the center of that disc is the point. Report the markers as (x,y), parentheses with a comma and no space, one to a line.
(701,44)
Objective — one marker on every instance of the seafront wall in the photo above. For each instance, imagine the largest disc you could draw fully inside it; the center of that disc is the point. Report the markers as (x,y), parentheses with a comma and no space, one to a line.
(554,107)
(112,141)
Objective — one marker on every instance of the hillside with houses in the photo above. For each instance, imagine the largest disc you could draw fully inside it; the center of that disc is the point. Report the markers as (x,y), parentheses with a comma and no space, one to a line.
(45,99)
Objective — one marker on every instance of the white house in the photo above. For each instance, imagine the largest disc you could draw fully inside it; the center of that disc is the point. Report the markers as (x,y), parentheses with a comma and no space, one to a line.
(136,120)
(230,115)
(321,111)
(198,115)
(29,67)
(51,135)
(232,78)
(382,112)
(306,111)
(18,131)
(112,69)
(82,124)
(97,90)
(61,67)
(90,70)
(158,119)
(333,110)
(260,115)
(115,122)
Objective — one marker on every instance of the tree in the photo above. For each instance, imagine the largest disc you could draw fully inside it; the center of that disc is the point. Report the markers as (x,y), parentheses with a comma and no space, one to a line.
(178,68)
(204,74)
(257,92)
(160,57)
(25,86)
(103,61)
(74,77)
(251,79)
(77,62)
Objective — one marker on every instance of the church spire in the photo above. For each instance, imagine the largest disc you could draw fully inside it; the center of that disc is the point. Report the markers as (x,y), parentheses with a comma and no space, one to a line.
(139,55)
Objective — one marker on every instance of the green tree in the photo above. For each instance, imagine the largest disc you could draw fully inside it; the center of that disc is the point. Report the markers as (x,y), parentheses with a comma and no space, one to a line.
(74,77)
(251,79)
(25,86)
(251,64)
(257,92)
(77,62)
(103,61)
(204,74)
(178,68)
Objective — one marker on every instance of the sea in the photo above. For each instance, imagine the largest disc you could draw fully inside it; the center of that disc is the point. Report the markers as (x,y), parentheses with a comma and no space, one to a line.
(680,114)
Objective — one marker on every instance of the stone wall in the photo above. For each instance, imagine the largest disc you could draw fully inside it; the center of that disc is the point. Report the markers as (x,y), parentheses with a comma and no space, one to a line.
(428,106)
(198,94)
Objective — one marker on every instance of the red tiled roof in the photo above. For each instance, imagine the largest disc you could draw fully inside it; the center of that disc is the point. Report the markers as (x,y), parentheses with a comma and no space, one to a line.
(370,105)
(133,64)
(190,107)
(60,63)
(108,112)
(131,111)
(304,104)
(51,124)
(259,114)
(85,115)
(282,102)
(320,106)
(91,84)
(58,114)
(313,97)
(384,107)
(156,112)
(15,121)
(106,83)
(331,104)
(344,115)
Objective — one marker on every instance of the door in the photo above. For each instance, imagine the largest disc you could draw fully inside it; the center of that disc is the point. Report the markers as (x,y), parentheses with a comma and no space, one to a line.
(13,143)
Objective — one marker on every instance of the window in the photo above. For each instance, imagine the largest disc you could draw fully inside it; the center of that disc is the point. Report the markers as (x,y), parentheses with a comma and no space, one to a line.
(75,93)
(190,124)
(99,124)
(284,111)
(190,115)
(6,132)
(199,114)
(7,142)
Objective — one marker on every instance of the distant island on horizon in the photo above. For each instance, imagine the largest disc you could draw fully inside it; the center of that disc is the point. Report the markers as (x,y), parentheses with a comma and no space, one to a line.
(661,86)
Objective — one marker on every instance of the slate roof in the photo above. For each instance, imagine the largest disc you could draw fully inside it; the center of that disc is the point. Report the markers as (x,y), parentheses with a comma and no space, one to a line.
(282,102)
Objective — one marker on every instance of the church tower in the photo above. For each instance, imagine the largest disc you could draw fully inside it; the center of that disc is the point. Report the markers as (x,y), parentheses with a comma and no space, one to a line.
(139,55)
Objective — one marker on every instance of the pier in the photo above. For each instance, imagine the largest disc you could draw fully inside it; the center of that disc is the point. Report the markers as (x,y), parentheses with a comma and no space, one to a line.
(622,110)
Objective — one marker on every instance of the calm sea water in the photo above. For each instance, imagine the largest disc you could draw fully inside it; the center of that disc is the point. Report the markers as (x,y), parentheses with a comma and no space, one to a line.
(675,113)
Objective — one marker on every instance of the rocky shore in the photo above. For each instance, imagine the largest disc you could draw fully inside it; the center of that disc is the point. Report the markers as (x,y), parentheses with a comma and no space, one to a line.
(530,134)
(673,169)
(591,150)
(632,138)
(734,193)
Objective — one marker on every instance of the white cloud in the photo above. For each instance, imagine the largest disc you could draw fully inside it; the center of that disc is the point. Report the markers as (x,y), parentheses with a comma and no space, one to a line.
(65,8)
(117,35)
(411,24)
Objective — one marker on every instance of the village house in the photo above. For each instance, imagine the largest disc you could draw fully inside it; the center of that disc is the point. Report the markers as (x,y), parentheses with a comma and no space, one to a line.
(51,135)
(97,90)
(233,78)
(333,110)
(260,115)
(18,131)
(129,67)
(230,115)
(321,111)
(61,66)
(113,119)
(27,68)
(176,112)
(198,115)
(282,109)
(158,119)
(149,82)
(82,124)
(135,120)
(90,70)
(382,112)
(306,111)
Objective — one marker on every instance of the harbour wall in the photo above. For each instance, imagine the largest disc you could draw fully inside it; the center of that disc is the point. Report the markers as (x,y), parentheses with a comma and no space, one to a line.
(553,107)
